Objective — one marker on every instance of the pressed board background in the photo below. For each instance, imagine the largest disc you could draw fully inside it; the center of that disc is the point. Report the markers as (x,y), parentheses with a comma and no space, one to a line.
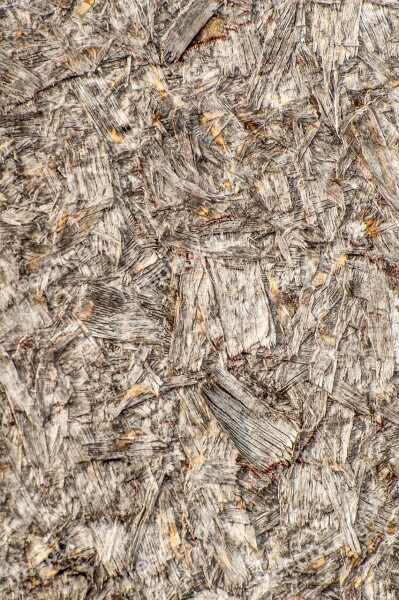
(199,310)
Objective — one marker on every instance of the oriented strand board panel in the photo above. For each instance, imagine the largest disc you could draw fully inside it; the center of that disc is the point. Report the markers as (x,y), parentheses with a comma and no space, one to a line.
(199,300)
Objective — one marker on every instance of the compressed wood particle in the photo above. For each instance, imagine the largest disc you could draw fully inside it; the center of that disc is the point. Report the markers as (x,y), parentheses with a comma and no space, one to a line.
(199,308)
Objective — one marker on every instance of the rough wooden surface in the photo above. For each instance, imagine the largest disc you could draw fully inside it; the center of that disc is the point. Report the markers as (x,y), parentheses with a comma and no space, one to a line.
(199,309)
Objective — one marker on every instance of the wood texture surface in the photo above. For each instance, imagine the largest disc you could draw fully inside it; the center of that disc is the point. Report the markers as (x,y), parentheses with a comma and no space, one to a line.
(199,308)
